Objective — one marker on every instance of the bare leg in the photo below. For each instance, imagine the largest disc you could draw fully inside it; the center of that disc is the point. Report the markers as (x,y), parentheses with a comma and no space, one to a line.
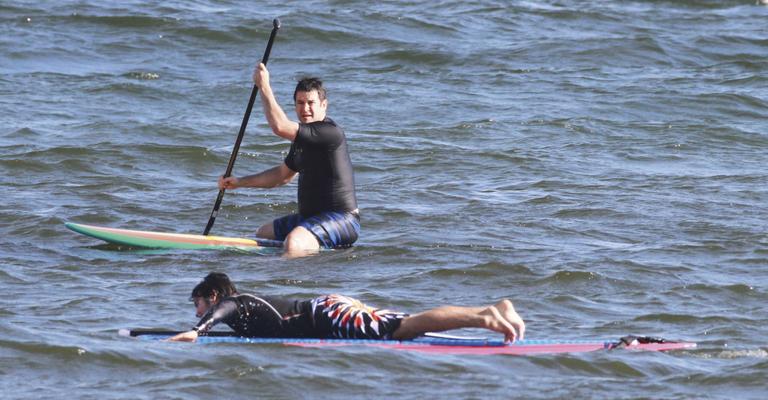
(500,317)
(300,242)
(266,231)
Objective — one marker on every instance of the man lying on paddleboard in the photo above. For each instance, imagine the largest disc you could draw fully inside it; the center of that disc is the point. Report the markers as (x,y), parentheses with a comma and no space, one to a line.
(328,216)
(333,316)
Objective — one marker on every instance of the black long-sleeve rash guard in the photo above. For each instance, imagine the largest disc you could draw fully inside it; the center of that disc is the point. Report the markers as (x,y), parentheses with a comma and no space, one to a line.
(252,316)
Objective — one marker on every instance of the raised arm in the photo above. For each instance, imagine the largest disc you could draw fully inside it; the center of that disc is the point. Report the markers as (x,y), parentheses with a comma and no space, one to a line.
(279,122)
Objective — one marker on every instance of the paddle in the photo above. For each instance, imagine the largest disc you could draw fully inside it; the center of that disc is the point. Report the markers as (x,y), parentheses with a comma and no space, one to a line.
(233,157)
(142,332)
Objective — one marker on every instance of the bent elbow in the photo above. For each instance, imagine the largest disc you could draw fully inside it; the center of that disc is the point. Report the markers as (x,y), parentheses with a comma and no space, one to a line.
(285,130)
(287,180)
(285,134)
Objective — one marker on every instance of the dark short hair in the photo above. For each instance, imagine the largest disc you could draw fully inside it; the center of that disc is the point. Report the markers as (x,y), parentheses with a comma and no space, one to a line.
(215,282)
(308,85)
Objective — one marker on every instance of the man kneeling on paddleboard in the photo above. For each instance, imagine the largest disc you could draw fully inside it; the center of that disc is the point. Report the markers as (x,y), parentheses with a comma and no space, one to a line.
(333,316)
(328,215)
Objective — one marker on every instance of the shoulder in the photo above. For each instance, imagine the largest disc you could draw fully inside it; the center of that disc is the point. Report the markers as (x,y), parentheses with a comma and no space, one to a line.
(326,131)
(241,301)
(326,125)
(238,299)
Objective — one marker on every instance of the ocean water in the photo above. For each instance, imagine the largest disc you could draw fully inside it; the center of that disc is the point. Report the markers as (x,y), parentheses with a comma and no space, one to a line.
(602,164)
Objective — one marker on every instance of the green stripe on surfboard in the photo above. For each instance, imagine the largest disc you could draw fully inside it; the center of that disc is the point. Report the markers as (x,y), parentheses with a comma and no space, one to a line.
(160,240)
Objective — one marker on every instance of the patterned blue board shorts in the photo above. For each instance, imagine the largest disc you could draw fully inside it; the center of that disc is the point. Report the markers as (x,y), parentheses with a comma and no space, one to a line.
(332,229)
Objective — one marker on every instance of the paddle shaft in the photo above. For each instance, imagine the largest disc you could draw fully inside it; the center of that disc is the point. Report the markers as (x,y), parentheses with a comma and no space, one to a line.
(243,125)
(142,332)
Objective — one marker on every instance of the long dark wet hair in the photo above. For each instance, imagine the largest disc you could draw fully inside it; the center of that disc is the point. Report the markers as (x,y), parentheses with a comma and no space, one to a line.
(215,282)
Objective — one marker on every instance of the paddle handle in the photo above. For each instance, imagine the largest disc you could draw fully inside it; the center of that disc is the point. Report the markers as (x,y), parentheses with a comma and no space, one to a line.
(243,125)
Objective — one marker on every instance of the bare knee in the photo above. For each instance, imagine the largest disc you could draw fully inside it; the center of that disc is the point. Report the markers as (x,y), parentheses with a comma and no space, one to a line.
(301,240)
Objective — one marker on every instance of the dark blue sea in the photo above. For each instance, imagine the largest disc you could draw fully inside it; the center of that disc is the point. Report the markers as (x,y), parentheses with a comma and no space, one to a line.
(603,164)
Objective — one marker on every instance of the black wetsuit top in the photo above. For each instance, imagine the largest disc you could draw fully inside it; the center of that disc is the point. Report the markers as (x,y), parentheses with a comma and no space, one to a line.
(330,316)
(254,316)
(326,181)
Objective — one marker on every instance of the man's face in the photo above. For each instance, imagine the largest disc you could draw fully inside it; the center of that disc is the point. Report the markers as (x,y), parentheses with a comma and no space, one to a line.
(202,305)
(309,107)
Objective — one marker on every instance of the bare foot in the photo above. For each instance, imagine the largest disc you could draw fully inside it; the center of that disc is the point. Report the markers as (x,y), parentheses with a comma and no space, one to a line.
(507,311)
(502,318)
